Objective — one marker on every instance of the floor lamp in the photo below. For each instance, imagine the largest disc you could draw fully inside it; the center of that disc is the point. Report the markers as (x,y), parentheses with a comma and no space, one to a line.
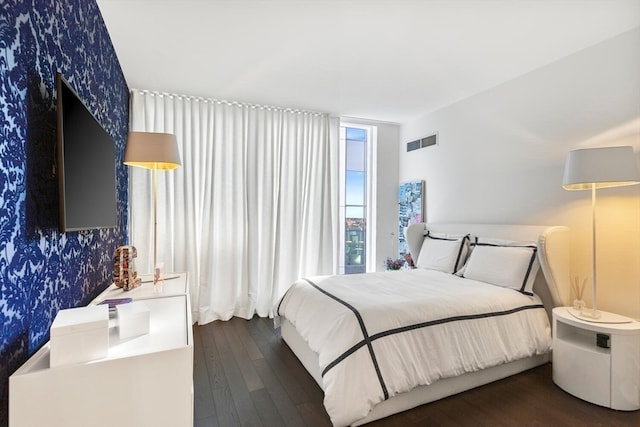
(155,151)
(592,169)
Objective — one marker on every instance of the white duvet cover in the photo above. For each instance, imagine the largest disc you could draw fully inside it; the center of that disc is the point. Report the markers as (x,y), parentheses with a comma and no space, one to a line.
(380,334)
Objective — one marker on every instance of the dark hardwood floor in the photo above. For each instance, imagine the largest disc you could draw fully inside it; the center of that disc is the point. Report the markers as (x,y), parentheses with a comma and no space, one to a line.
(244,375)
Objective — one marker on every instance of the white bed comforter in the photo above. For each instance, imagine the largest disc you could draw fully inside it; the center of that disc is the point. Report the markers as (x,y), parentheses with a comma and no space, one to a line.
(380,334)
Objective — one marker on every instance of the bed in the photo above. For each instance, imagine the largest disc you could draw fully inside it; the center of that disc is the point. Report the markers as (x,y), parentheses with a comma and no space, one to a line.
(381,343)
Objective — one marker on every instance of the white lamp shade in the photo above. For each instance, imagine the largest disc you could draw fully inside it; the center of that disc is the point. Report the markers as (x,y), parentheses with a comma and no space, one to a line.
(602,167)
(152,150)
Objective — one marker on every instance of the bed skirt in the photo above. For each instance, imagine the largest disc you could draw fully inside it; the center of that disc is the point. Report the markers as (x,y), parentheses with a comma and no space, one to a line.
(419,395)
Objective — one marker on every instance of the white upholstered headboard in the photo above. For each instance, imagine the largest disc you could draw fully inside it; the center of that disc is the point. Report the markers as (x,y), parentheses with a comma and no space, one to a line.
(553,252)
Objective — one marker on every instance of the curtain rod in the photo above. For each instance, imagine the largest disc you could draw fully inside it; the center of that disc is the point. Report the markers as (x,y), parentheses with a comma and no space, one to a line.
(225,102)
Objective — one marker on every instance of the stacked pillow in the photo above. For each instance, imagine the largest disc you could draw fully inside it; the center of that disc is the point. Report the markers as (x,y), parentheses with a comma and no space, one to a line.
(505,263)
(443,252)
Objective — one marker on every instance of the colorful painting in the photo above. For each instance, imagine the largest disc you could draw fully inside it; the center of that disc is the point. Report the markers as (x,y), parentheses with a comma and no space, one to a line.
(411,208)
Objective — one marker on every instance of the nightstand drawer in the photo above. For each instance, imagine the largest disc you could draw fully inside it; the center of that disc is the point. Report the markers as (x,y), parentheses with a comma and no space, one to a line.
(583,372)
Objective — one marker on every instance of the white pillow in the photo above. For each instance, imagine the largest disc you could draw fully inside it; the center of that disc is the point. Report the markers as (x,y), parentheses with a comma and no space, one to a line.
(466,248)
(503,263)
(442,253)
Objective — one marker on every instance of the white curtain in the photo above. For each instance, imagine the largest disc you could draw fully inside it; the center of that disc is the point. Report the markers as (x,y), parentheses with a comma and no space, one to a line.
(253,207)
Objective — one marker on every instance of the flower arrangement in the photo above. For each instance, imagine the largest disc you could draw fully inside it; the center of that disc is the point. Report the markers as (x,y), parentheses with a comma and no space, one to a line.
(394,264)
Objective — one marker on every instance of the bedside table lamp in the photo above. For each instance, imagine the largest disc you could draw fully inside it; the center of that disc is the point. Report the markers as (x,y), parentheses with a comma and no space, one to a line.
(592,169)
(155,151)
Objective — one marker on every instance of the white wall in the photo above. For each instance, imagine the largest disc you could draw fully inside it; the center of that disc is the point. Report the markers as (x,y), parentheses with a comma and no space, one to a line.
(388,135)
(387,203)
(501,154)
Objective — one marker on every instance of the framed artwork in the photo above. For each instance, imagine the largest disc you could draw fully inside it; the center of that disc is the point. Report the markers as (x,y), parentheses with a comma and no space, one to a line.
(411,208)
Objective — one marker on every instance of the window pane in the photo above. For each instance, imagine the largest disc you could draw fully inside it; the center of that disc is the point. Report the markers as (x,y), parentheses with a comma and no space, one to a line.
(357,134)
(354,212)
(355,246)
(355,155)
(355,188)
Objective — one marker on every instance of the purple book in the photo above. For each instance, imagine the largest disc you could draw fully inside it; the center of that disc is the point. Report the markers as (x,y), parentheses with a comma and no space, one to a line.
(116,301)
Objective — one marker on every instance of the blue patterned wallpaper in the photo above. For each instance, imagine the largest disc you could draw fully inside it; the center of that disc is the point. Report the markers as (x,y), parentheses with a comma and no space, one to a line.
(41,269)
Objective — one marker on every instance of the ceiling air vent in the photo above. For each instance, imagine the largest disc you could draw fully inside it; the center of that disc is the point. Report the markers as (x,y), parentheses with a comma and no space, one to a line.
(427,141)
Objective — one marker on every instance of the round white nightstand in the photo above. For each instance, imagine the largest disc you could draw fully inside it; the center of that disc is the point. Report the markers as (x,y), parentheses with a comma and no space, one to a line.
(597,362)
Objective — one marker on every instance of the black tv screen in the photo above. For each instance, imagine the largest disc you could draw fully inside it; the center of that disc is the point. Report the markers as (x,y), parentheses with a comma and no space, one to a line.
(86,165)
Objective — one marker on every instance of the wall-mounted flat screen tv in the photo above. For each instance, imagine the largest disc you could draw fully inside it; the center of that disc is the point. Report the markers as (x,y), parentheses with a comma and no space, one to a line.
(86,165)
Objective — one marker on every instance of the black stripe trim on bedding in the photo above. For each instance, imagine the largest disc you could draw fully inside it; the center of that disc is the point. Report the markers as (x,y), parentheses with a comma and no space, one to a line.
(435,322)
(526,276)
(366,341)
(281,300)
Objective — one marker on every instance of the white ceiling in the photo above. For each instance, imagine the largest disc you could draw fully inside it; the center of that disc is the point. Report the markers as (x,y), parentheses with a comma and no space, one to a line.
(391,60)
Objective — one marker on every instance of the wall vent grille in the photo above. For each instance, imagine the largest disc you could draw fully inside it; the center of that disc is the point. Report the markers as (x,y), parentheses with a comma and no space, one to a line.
(427,141)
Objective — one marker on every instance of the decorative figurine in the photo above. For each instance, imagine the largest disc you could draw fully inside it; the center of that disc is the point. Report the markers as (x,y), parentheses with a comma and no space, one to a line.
(125,275)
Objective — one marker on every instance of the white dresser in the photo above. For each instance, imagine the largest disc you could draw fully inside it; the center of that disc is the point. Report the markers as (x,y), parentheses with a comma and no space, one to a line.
(144,381)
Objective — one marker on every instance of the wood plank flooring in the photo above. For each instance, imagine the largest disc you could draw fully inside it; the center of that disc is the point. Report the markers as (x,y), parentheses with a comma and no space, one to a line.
(244,375)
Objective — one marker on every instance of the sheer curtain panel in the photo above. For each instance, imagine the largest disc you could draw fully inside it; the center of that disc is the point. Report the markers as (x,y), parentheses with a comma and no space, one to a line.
(253,207)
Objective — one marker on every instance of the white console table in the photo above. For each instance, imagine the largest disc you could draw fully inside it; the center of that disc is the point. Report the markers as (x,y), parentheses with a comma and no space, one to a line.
(144,381)
(605,373)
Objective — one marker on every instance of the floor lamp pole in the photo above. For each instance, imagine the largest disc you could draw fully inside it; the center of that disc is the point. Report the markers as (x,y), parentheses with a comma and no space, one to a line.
(594,311)
(156,273)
